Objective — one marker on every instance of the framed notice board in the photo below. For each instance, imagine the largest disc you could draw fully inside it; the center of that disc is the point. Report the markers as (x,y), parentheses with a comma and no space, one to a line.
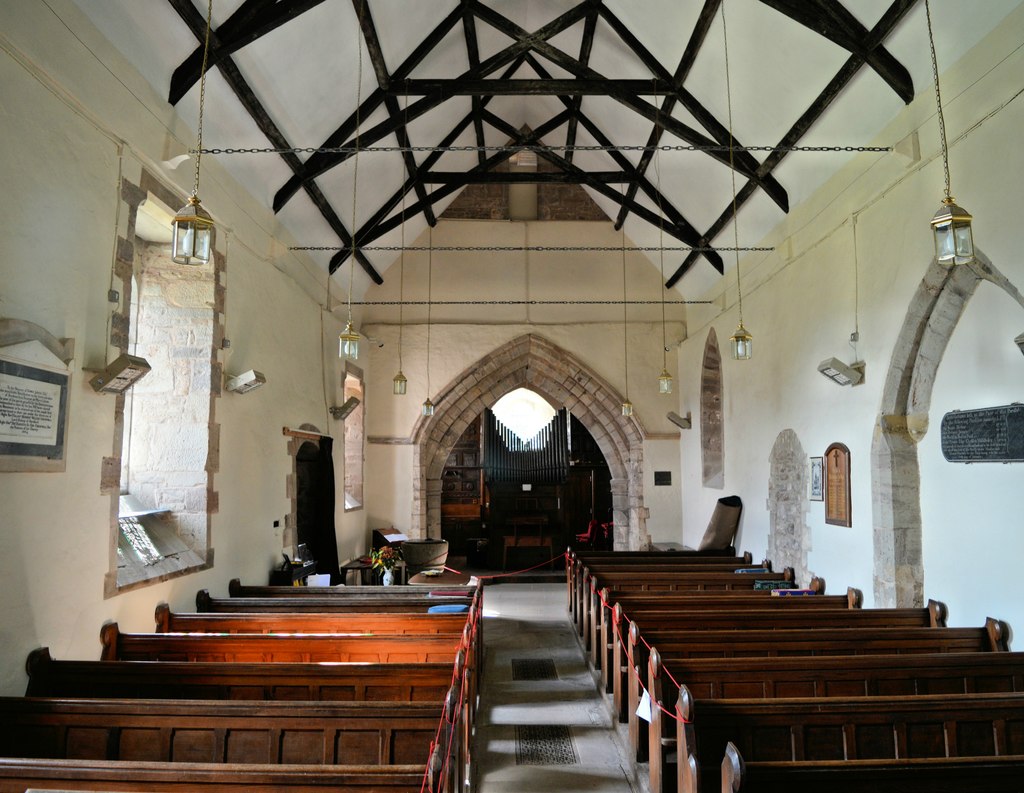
(837,485)
(33,417)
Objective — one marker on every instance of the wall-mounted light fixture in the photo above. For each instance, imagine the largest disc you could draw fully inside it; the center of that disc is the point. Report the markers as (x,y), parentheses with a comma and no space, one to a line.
(1019,341)
(120,375)
(245,382)
(683,422)
(841,373)
(342,412)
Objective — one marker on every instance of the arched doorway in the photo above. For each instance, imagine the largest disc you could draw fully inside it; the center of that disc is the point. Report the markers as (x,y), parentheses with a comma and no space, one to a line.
(531,361)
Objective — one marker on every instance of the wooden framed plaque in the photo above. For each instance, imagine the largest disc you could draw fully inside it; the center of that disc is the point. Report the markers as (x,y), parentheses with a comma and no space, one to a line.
(837,486)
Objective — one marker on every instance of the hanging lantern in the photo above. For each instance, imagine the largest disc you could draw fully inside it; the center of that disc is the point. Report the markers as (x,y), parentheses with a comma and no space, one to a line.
(400,384)
(428,407)
(348,343)
(193,228)
(664,382)
(627,408)
(742,343)
(954,241)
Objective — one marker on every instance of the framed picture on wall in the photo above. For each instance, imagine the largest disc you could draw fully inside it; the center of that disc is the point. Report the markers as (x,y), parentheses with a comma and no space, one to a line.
(837,485)
(817,479)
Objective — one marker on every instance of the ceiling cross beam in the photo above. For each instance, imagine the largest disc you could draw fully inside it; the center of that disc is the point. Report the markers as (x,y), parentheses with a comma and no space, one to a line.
(892,17)
(586,46)
(321,162)
(380,69)
(382,227)
(197,24)
(473,53)
(834,22)
(666,208)
(745,166)
(250,21)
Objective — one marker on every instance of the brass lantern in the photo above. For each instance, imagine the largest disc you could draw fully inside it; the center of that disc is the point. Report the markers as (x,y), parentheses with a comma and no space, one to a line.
(954,241)
(742,343)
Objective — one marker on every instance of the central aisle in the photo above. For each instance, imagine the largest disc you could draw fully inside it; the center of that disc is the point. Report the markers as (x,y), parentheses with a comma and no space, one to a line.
(543,724)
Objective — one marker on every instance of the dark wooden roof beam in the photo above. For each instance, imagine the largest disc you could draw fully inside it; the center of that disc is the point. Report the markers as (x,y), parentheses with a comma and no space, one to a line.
(250,21)
(586,46)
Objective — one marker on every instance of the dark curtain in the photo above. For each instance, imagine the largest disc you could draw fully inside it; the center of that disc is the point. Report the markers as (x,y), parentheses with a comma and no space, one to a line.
(326,544)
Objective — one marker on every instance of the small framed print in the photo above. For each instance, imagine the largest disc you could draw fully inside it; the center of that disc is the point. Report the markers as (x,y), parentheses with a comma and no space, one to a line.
(817,479)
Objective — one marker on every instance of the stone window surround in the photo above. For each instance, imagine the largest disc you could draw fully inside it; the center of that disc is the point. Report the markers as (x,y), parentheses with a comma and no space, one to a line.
(132,196)
(351,370)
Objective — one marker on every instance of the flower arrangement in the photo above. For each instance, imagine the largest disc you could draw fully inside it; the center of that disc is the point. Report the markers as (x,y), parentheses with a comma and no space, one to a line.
(385,558)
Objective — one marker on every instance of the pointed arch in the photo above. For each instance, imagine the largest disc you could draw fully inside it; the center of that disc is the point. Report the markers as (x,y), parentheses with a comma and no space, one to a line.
(531,361)
(932,316)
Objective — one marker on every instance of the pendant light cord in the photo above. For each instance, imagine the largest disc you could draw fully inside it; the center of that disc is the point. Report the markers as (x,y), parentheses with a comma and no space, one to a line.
(938,98)
(401,260)
(625,327)
(732,168)
(202,97)
(355,157)
(661,243)
(430,270)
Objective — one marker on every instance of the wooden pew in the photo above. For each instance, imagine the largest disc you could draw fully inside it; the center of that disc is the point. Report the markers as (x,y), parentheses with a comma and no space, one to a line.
(577,569)
(237,589)
(219,731)
(787,642)
(609,629)
(20,774)
(308,648)
(306,622)
(410,602)
(667,582)
(211,680)
(928,775)
(948,674)
(829,728)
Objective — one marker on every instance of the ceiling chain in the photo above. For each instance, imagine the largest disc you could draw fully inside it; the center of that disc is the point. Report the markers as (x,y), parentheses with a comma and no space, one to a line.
(665,147)
(524,248)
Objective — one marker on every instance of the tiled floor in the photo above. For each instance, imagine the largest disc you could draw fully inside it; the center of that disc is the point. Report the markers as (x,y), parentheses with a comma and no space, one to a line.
(529,622)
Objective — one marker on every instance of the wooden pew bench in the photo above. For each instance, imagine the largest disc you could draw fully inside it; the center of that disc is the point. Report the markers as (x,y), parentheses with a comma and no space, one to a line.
(707,582)
(411,601)
(786,642)
(210,680)
(19,774)
(929,775)
(947,674)
(237,589)
(308,648)
(219,731)
(307,622)
(576,561)
(609,627)
(864,728)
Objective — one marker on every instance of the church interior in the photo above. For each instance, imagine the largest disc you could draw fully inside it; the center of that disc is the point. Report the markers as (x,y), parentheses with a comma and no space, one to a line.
(515,276)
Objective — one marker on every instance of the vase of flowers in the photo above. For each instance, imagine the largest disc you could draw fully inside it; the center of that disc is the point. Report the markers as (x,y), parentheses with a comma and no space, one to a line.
(385,559)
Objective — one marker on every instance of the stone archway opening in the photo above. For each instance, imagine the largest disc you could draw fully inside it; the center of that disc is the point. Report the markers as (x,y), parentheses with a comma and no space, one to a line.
(789,537)
(533,362)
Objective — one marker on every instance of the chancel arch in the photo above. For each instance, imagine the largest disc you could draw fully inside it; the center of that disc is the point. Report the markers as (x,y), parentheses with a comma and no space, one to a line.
(531,361)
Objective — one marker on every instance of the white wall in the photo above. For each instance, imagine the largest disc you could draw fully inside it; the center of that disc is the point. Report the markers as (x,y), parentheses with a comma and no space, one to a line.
(69,126)
(799,304)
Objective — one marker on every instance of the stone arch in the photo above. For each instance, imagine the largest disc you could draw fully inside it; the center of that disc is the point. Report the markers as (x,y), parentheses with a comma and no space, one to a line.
(531,361)
(789,537)
(712,430)
(933,314)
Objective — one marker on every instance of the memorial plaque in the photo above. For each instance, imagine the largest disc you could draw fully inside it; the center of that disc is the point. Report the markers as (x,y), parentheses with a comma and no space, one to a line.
(837,485)
(985,435)
(33,410)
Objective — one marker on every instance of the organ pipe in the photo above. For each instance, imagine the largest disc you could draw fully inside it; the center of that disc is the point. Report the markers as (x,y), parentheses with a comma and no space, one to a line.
(543,459)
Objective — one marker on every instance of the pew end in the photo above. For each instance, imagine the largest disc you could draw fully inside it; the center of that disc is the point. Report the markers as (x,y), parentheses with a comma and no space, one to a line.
(998,635)
(854,597)
(109,634)
(938,613)
(687,769)
(203,599)
(732,769)
(162,617)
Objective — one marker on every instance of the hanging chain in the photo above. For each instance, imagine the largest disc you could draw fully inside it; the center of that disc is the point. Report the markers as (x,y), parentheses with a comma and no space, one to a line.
(524,248)
(732,169)
(938,98)
(625,326)
(355,159)
(430,271)
(667,147)
(202,97)
(661,244)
